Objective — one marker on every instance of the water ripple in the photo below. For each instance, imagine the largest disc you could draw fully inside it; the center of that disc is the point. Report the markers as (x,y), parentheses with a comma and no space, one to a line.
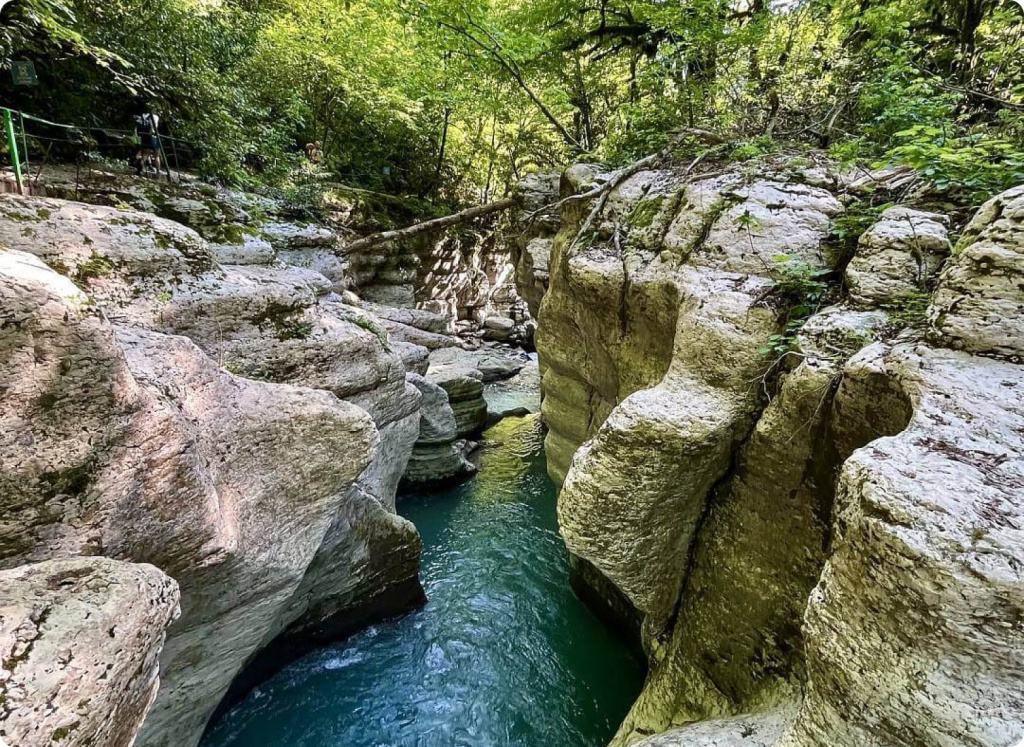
(503,654)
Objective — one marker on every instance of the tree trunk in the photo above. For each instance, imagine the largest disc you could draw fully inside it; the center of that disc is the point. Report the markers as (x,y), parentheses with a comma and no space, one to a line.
(431,225)
(494,49)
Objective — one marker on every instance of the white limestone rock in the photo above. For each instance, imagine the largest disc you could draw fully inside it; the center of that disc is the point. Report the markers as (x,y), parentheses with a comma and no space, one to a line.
(323,261)
(913,633)
(979,301)
(421,319)
(437,457)
(294,236)
(129,384)
(766,221)
(898,256)
(251,251)
(634,495)
(80,641)
(749,730)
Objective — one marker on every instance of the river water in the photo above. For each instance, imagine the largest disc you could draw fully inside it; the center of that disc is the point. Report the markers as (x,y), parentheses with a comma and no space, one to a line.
(502,654)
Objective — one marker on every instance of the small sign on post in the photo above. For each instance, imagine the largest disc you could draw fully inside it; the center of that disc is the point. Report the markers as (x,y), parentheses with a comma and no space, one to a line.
(24,73)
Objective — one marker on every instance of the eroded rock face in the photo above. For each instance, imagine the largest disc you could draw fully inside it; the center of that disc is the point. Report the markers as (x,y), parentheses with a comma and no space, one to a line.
(737,643)
(534,271)
(650,466)
(532,236)
(898,256)
(650,340)
(438,457)
(80,641)
(913,632)
(980,299)
(753,730)
(462,375)
(243,542)
(609,321)
(877,476)
(465,277)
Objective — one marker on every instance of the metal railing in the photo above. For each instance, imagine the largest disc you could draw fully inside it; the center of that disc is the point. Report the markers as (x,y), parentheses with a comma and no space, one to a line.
(15,130)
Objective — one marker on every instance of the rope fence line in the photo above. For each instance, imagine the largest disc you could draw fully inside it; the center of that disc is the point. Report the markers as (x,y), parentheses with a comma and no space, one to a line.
(128,140)
(108,131)
(85,143)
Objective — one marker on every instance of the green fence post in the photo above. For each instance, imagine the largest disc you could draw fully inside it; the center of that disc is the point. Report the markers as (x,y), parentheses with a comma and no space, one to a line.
(12,141)
(24,144)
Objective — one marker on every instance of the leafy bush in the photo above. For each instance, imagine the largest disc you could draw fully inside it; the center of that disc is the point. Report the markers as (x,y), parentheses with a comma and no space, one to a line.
(801,289)
(969,166)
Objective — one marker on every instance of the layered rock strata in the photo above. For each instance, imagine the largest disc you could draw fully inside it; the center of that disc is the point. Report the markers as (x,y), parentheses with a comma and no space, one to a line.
(533,229)
(720,470)
(462,375)
(439,454)
(467,277)
(296,530)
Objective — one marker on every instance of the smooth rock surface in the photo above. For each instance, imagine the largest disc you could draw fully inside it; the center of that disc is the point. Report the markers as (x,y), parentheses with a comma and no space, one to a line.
(762,546)
(110,385)
(648,470)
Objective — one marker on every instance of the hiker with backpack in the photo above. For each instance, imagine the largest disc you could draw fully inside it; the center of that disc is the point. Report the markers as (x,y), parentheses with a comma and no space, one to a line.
(147,129)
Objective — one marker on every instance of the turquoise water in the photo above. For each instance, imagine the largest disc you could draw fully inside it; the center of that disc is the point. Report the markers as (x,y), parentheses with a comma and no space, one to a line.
(502,654)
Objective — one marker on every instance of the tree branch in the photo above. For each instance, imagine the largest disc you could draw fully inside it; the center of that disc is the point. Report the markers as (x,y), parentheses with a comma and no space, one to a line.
(437,224)
(512,68)
(650,162)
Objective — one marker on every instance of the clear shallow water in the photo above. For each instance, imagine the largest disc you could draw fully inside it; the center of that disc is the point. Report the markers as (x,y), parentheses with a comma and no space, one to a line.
(522,390)
(502,654)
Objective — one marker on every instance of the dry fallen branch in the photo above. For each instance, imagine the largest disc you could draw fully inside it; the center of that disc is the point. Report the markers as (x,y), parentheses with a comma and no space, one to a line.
(602,191)
(436,224)
(649,162)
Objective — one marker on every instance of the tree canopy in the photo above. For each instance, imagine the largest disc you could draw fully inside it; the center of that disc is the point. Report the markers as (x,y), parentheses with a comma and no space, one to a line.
(454,100)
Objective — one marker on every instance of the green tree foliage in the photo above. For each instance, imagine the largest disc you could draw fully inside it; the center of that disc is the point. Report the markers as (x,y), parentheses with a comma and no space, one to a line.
(454,100)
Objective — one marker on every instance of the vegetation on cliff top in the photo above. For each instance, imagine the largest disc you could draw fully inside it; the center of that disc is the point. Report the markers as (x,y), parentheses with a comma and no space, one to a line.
(453,100)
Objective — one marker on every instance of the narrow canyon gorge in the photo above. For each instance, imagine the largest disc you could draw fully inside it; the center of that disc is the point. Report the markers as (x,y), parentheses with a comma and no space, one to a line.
(789,464)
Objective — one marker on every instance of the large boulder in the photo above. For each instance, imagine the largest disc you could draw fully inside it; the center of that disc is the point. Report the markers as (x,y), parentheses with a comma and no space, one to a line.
(243,581)
(898,257)
(272,322)
(980,297)
(438,457)
(80,642)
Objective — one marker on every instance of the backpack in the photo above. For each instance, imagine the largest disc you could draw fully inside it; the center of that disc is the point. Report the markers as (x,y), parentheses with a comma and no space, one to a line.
(145,125)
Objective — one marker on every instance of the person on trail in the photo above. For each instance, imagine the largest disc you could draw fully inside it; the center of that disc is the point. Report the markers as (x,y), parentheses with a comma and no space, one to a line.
(314,152)
(147,128)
